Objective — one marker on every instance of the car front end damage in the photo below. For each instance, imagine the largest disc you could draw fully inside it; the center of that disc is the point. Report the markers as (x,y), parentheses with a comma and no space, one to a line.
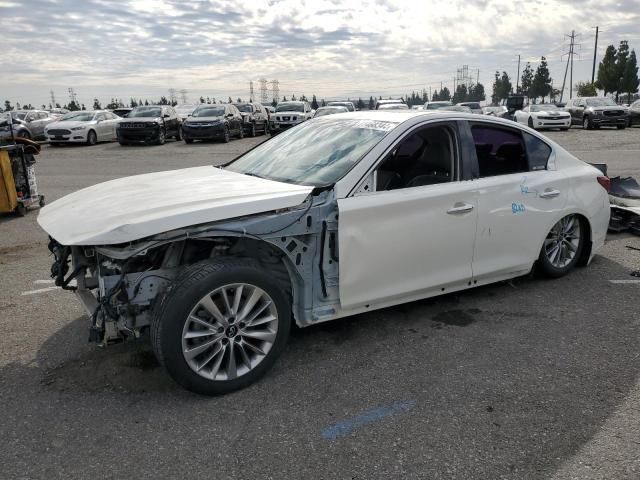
(120,285)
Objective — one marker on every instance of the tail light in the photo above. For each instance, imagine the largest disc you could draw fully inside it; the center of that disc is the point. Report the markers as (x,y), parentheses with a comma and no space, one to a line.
(605,182)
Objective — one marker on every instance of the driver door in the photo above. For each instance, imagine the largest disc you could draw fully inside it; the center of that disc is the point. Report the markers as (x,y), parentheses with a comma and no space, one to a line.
(413,236)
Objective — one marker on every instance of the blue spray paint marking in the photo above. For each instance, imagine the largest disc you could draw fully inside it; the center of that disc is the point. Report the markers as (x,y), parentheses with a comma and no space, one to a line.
(524,188)
(517,208)
(340,429)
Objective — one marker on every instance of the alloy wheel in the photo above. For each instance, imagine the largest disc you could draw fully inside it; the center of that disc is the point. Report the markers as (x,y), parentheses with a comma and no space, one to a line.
(562,242)
(229,332)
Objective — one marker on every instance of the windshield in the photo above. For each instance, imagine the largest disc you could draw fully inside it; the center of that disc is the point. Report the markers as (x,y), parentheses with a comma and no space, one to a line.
(542,108)
(246,108)
(473,106)
(318,152)
(600,102)
(437,105)
(290,107)
(145,112)
(208,112)
(329,111)
(78,116)
(393,106)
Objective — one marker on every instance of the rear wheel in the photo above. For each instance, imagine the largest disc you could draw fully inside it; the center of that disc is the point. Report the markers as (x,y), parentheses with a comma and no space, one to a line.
(24,134)
(221,326)
(563,246)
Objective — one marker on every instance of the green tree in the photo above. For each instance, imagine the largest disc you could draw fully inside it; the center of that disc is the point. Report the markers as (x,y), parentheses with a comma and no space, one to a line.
(73,106)
(239,100)
(202,99)
(133,103)
(372,104)
(630,81)
(586,89)
(7,106)
(608,78)
(83,107)
(230,101)
(541,85)
(476,93)
(274,103)
(460,94)
(96,104)
(323,103)
(293,97)
(314,103)
(526,81)
(146,103)
(284,98)
(445,94)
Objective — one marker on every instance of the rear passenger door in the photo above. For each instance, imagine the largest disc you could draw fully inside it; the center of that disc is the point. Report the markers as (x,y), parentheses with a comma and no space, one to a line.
(520,195)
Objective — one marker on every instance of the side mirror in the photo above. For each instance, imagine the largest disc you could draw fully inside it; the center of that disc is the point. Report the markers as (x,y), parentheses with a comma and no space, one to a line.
(190,115)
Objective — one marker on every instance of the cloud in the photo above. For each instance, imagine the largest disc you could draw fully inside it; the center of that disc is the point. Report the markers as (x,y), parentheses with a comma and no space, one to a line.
(332,48)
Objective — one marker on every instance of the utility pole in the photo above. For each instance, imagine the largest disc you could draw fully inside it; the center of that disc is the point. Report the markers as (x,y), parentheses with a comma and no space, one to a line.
(518,75)
(573,37)
(264,98)
(595,52)
(570,54)
(53,99)
(251,91)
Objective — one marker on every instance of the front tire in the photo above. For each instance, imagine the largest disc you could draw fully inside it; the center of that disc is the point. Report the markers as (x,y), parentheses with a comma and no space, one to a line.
(227,135)
(587,124)
(92,138)
(562,248)
(221,325)
(178,135)
(530,123)
(162,137)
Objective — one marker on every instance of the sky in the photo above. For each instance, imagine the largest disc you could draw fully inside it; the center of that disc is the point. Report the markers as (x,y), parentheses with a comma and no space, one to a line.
(330,48)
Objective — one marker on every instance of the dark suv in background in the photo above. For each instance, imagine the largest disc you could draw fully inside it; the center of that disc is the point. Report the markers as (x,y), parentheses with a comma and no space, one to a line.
(596,112)
(149,124)
(254,118)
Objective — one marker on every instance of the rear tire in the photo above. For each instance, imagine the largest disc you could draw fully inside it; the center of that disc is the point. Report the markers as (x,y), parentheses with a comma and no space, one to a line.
(562,248)
(161,137)
(203,311)
(227,135)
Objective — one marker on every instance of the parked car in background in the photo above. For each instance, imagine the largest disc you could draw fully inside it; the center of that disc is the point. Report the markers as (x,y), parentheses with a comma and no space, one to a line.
(437,105)
(18,126)
(58,112)
(185,110)
(596,112)
(543,116)
(322,111)
(349,105)
(122,112)
(394,106)
(289,114)
(474,106)
(495,111)
(379,103)
(211,122)
(513,103)
(634,114)
(84,126)
(151,124)
(254,118)
(30,123)
(417,107)
(341,215)
(456,108)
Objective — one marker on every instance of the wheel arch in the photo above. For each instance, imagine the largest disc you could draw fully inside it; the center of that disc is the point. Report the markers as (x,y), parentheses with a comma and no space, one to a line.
(588,246)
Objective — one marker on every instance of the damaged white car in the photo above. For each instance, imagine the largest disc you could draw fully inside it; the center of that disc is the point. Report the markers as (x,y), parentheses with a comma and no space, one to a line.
(340,215)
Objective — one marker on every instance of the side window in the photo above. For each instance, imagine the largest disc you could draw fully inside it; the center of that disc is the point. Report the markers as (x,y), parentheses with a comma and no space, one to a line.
(538,152)
(43,115)
(100,117)
(500,151)
(425,157)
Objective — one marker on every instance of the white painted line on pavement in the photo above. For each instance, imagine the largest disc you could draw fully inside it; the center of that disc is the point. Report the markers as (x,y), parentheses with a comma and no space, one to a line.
(624,282)
(44,281)
(40,290)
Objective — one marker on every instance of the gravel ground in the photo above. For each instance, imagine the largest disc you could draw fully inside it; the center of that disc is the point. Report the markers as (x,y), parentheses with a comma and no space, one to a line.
(528,379)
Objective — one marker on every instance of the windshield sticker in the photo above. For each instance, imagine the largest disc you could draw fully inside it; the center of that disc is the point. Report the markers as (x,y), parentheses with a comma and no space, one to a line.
(374,125)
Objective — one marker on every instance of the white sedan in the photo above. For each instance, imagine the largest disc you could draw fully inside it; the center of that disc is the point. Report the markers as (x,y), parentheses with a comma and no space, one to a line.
(544,116)
(340,215)
(83,126)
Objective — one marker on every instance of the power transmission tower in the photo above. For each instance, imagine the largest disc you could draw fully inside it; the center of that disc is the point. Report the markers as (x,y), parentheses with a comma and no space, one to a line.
(275,90)
(251,91)
(595,52)
(570,54)
(183,96)
(264,97)
(72,95)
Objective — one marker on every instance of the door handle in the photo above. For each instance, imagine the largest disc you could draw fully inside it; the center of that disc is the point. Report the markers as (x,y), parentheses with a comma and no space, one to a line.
(549,193)
(459,208)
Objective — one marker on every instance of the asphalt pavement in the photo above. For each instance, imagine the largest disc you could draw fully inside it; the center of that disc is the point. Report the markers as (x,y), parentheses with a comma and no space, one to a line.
(528,379)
